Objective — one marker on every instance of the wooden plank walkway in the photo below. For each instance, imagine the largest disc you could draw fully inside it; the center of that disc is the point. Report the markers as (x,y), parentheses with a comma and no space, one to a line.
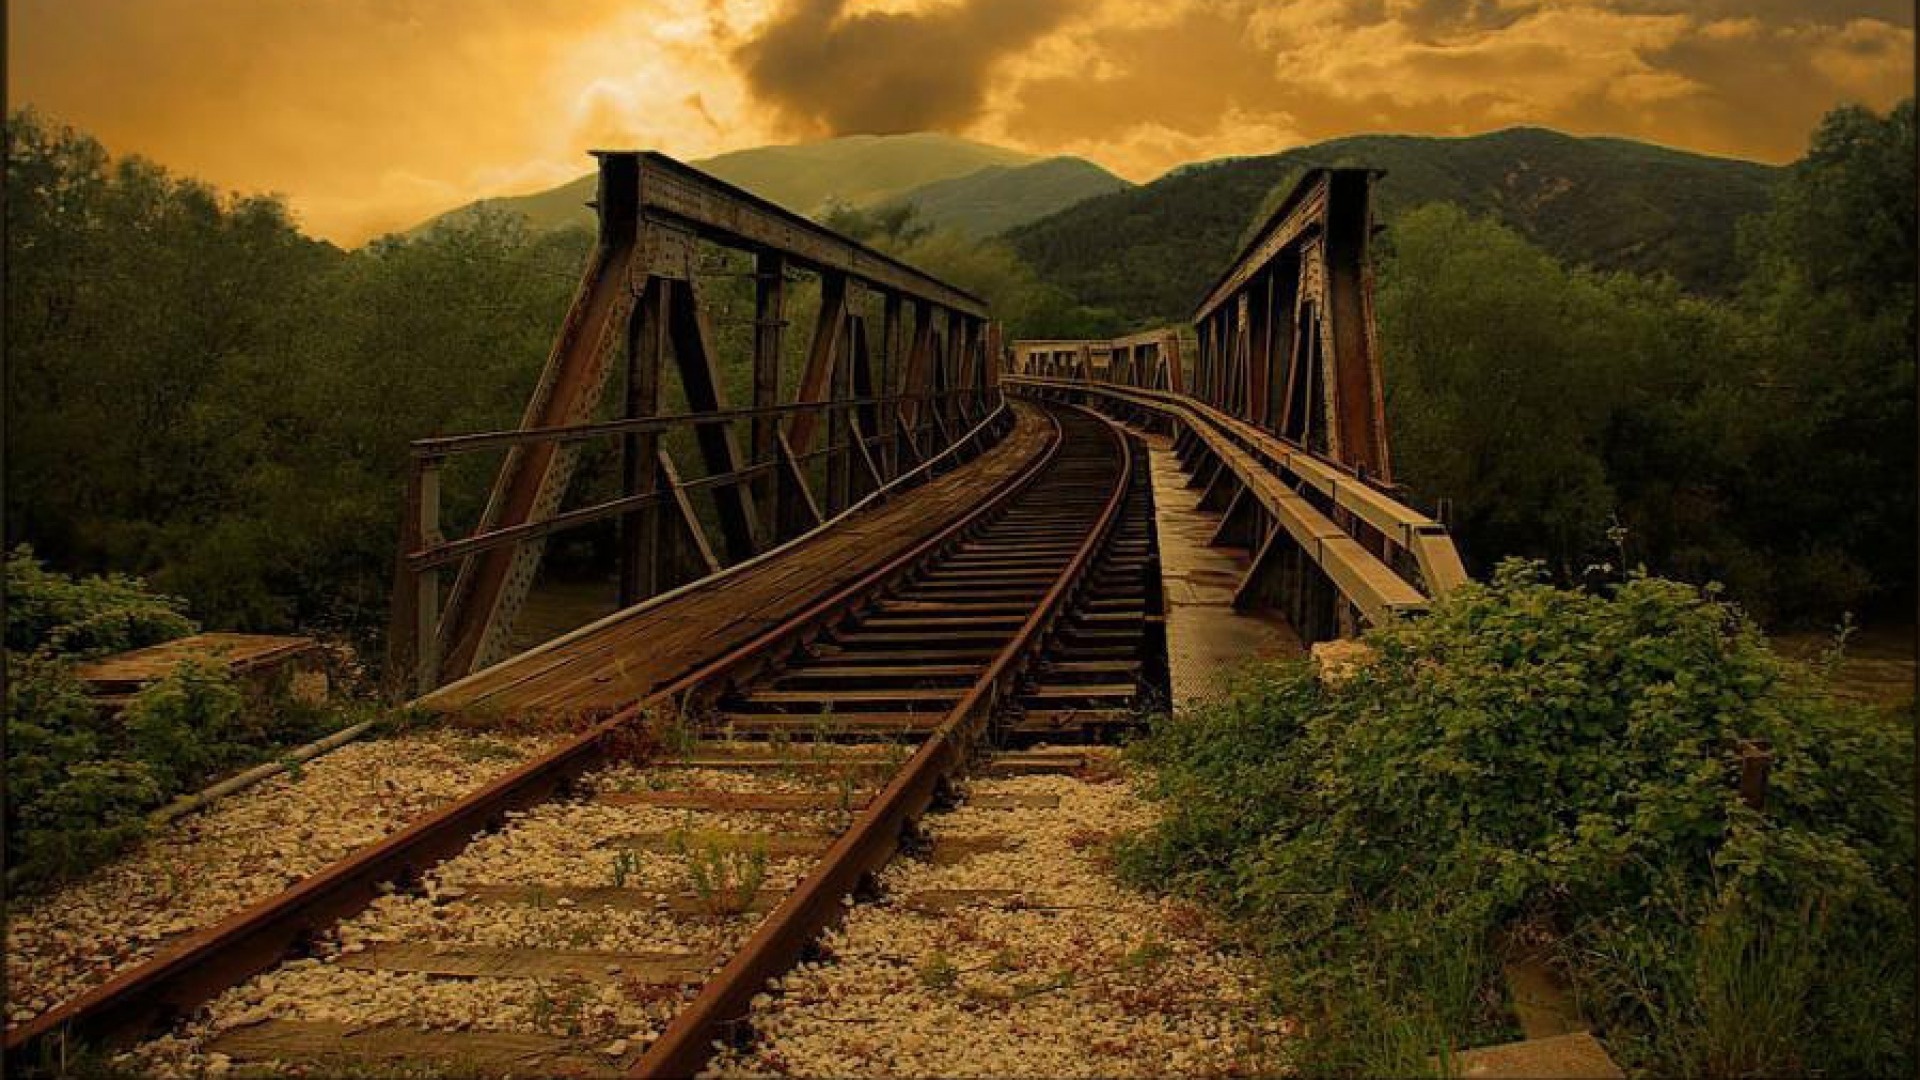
(618,660)
(127,673)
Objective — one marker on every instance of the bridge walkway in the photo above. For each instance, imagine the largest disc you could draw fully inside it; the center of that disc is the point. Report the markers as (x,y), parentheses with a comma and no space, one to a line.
(1206,636)
(616,661)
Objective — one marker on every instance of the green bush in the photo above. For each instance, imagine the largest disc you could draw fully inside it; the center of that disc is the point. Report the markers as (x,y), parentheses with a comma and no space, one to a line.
(68,804)
(85,617)
(1534,762)
(80,779)
(188,724)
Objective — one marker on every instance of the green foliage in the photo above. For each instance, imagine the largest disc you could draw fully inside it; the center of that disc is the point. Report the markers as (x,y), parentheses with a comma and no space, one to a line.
(68,804)
(1766,442)
(80,778)
(1830,280)
(206,397)
(1566,762)
(723,876)
(182,724)
(85,617)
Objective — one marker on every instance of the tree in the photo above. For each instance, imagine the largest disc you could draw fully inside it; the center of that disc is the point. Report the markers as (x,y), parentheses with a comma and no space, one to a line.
(1831,278)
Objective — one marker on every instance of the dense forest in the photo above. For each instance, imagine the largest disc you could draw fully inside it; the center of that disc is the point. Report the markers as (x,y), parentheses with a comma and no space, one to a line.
(203,395)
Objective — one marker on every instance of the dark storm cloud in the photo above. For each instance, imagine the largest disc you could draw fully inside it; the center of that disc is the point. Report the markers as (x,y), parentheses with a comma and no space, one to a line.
(827,72)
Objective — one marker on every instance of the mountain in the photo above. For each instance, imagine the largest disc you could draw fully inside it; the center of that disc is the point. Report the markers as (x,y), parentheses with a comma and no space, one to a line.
(857,170)
(1147,253)
(996,199)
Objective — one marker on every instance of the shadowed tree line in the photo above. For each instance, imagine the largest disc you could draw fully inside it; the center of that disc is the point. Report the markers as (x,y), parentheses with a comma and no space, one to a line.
(1766,440)
(201,394)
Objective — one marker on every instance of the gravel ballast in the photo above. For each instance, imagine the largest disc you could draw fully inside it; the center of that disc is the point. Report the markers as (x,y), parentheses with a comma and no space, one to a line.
(553,848)
(1076,976)
(199,869)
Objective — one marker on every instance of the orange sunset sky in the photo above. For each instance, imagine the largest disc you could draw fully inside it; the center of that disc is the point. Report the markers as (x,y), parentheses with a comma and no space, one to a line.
(370,115)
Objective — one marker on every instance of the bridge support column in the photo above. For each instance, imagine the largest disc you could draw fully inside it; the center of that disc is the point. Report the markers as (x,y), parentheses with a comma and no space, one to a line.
(639,530)
(769,339)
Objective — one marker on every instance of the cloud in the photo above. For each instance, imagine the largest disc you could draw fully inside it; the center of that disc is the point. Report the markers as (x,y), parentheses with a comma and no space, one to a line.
(826,71)
(375,114)
(1139,81)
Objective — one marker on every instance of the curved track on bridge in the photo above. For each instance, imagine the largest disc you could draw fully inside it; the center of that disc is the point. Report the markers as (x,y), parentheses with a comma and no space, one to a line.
(1027,617)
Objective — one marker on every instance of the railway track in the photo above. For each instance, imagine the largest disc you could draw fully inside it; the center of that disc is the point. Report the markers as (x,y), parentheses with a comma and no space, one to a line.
(590,915)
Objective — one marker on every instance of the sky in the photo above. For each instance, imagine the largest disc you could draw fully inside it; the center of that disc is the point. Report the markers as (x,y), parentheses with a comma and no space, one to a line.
(371,115)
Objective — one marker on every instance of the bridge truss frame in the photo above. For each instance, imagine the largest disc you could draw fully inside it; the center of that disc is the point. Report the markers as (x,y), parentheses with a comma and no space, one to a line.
(877,404)
(1283,422)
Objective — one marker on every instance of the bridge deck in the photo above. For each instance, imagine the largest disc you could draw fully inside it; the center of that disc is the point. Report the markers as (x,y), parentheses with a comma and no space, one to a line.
(617,660)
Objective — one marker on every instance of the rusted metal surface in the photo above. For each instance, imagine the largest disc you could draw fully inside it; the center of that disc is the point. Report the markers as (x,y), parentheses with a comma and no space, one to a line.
(488,591)
(642,298)
(1151,360)
(1202,564)
(1286,333)
(1282,423)
(1309,514)
(780,941)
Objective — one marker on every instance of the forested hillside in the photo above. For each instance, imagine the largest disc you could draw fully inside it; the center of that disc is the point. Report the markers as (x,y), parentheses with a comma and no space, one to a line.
(994,200)
(1148,253)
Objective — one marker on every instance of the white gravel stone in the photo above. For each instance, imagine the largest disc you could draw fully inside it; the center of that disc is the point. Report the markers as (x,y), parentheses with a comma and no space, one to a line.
(553,845)
(1093,979)
(248,846)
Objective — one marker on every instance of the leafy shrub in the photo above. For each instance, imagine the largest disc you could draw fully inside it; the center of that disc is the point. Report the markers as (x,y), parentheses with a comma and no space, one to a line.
(67,806)
(85,617)
(187,724)
(80,781)
(1535,761)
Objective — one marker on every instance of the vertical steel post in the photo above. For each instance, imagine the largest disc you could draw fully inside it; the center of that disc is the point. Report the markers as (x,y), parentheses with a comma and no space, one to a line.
(769,339)
(426,611)
(639,475)
(889,379)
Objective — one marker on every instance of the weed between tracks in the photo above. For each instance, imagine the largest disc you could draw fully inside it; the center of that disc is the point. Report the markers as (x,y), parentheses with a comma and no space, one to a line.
(723,875)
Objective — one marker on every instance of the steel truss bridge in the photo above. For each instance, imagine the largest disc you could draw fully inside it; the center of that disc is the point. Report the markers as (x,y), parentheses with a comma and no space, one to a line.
(840,494)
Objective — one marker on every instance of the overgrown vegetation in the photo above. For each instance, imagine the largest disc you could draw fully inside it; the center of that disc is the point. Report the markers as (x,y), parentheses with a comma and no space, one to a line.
(1536,764)
(82,778)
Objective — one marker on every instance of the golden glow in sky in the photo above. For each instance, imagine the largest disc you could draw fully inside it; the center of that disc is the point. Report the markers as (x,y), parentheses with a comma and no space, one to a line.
(371,115)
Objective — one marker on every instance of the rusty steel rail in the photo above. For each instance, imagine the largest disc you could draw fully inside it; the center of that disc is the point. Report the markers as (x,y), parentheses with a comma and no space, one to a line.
(816,903)
(260,936)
